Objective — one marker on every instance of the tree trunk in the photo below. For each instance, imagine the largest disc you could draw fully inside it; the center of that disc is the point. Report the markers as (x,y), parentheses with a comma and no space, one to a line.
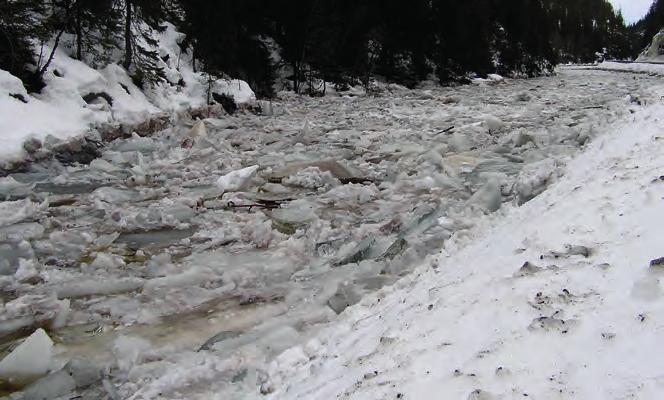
(127,35)
(41,71)
(296,77)
(79,34)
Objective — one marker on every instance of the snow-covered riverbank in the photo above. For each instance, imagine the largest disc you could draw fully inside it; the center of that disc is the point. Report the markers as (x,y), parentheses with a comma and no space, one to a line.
(168,245)
(558,299)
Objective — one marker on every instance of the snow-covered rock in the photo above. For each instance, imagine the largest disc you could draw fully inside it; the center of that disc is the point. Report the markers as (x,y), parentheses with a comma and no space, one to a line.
(654,53)
(97,98)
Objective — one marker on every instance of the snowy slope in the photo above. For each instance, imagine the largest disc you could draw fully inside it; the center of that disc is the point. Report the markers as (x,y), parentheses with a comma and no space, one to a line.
(583,320)
(653,53)
(61,111)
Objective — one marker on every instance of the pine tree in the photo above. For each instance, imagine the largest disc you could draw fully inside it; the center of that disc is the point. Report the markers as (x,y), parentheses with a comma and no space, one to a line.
(141,19)
(19,26)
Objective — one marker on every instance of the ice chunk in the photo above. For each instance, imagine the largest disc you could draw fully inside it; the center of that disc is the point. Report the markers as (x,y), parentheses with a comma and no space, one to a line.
(107,261)
(83,372)
(12,212)
(311,178)
(98,288)
(489,197)
(236,180)
(361,252)
(459,143)
(31,360)
(345,297)
(191,278)
(27,271)
(220,337)
(297,213)
(329,165)
(351,195)
(130,351)
(11,188)
(493,124)
(20,232)
(50,387)
(535,178)
(112,195)
(198,131)
(10,253)
(138,143)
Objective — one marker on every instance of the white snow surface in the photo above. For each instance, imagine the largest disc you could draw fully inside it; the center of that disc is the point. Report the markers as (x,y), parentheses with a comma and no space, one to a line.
(473,324)
(60,111)
(649,67)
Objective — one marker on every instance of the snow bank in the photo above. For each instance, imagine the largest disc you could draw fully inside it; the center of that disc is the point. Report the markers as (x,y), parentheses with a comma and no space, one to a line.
(638,67)
(78,98)
(557,299)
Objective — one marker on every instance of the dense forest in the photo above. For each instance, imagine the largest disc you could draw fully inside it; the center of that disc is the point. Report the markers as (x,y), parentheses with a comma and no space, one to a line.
(306,42)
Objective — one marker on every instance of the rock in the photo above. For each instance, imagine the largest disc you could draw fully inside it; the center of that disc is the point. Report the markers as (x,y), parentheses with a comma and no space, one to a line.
(28,362)
(82,151)
(227,102)
(480,395)
(654,52)
(51,142)
(523,97)
(98,98)
(658,263)
(32,145)
(551,324)
(527,269)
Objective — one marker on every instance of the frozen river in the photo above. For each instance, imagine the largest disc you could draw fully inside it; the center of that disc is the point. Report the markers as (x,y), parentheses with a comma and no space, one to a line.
(175,269)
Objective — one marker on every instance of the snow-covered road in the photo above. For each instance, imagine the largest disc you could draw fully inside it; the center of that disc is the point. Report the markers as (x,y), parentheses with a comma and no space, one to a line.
(173,244)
